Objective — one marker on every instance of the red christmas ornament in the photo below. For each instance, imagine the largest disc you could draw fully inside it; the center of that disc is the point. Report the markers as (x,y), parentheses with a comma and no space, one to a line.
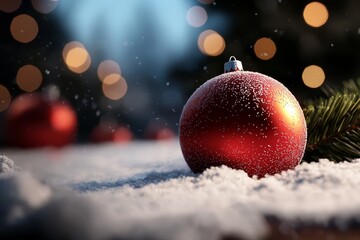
(244,120)
(110,132)
(32,121)
(163,134)
(159,132)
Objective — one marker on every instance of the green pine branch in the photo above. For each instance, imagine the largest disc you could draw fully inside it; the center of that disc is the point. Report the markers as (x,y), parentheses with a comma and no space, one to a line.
(334,125)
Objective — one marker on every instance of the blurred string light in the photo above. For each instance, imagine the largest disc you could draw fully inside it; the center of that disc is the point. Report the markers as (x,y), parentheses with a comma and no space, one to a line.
(114,86)
(29,78)
(5,98)
(9,6)
(196,16)
(265,48)
(76,57)
(315,14)
(313,76)
(106,68)
(211,43)
(24,28)
(44,6)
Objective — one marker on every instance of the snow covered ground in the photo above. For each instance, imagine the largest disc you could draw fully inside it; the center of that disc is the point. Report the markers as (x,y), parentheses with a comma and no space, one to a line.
(144,190)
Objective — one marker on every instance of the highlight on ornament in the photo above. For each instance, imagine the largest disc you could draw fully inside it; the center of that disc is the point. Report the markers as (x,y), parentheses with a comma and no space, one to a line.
(244,120)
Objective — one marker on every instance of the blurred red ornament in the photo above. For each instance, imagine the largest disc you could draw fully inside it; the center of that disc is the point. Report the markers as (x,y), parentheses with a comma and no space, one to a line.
(158,132)
(244,120)
(33,121)
(109,132)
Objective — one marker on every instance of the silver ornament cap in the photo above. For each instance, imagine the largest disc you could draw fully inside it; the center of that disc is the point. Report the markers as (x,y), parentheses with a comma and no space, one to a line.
(233,65)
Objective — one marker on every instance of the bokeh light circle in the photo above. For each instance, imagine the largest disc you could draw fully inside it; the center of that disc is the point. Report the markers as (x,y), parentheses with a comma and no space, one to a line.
(313,76)
(106,68)
(9,6)
(265,48)
(44,6)
(29,78)
(24,28)
(211,43)
(196,16)
(114,86)
(5,98)
(205,1)
(315,14)
(76,57)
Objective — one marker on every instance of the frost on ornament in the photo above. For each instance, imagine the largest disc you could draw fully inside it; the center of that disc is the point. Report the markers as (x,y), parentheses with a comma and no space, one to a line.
(244,120)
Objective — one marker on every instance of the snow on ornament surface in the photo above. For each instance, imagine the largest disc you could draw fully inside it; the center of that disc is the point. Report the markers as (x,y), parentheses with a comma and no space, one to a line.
(244,120)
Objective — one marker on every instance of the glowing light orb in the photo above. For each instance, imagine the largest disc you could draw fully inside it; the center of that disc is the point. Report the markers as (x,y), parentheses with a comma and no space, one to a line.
(313,76)
(76,57)
(29,78)
(265,48)
(5,98)
(106,68)
(44,6)
(196,16)
(9,6)
(24,28)
(315,14)
(211,43)
(114,86)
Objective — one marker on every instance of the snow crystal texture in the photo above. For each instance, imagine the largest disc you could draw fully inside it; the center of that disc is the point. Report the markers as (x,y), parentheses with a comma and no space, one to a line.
(145,190)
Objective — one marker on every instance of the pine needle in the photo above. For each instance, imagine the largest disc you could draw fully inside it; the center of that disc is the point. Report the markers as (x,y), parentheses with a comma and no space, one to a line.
(334,125)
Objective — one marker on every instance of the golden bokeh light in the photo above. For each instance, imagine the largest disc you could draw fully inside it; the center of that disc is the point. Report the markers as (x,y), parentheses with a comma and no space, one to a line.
(315,14)
(265,48)
(44,6)
(106,68)
(196,16)
(211,43)
(24,28)
(76,57)
(9,6)
(114,86)
(5,98)
(29,78)
(313,76)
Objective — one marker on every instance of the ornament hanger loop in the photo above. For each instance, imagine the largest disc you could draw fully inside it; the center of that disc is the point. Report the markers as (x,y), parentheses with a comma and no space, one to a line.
(233,65)
(232,58)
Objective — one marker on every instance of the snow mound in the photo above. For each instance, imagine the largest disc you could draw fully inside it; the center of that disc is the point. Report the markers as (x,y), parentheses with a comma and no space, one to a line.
(6,165)
(31,209)
(20,195)
(146,191)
